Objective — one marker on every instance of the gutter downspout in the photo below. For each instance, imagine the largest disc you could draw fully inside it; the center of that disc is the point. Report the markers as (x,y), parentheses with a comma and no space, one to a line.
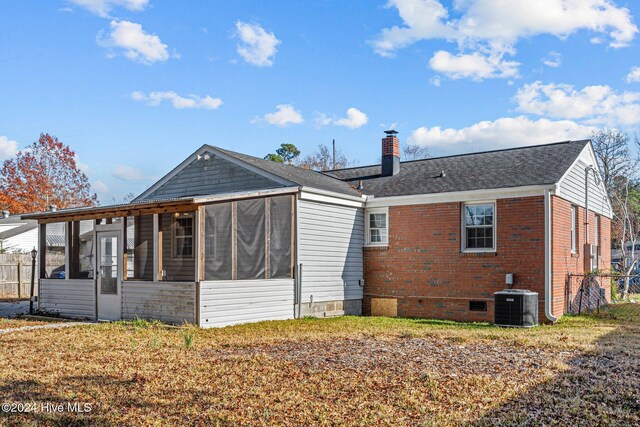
(548,289)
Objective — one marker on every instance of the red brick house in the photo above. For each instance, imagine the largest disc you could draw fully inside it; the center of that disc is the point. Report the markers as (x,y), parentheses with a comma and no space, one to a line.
(228,238)
(442,233)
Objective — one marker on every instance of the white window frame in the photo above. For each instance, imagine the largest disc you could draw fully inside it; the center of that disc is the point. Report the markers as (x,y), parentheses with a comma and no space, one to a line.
(367,223)
(463,227)
(175,237)
(574,234)
(596,232)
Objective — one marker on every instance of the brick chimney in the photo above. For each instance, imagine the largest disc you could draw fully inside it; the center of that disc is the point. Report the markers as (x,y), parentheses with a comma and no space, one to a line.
(390,153)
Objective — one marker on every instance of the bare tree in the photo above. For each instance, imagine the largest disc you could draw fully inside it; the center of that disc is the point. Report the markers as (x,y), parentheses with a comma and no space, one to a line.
(612,151)
(415,152)
(627,205)
(322,160)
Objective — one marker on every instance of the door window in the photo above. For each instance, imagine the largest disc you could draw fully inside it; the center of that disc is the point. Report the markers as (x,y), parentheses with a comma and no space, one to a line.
(108,265)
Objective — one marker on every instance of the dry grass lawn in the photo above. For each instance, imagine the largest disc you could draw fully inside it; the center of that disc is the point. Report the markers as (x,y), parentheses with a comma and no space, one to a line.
(343,371)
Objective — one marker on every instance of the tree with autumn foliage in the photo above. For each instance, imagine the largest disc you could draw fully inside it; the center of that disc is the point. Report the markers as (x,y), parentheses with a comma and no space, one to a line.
(44,174)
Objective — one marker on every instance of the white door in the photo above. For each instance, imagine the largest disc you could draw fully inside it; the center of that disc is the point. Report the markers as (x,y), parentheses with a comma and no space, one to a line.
(108,275)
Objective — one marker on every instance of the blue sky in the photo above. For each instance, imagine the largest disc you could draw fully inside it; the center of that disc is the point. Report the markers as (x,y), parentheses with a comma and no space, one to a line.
(135,86)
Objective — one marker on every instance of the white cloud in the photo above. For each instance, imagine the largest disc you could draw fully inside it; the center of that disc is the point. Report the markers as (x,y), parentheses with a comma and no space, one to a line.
(475,66)
(8,148)
(180,102)
(284,116)
(257,46)
(84,167)
(137,45)
(634,75)
(103,7)
(600,105)
(127,173)
(500,133)
(553,59)
(321,119)
(100,187)
(355,119)
(493,27)
(423,19)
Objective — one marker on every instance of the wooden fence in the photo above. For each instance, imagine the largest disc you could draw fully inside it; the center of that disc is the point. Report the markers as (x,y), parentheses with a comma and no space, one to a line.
(15,274)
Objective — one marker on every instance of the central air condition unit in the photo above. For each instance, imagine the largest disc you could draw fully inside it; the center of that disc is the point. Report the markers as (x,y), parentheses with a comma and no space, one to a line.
(516,308)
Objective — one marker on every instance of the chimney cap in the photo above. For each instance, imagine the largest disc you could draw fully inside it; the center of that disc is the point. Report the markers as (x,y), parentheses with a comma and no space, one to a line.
(391,132)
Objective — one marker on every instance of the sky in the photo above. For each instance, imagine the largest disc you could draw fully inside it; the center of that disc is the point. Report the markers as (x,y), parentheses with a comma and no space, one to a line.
(135,86)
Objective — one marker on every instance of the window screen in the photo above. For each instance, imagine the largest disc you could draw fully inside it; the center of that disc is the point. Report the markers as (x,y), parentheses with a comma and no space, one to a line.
(280,237)
(250,239)
(82,250)
(478,222)
(142,233)
(54,255)
(178,262)
(217,241)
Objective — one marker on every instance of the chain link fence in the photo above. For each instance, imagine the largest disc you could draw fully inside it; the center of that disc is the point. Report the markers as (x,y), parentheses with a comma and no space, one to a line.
(589,292)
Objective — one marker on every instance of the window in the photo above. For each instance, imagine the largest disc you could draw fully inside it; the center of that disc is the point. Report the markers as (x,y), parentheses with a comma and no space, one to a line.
(55,235)
(183,236)
(140,247)
(574,234)
(82,250)
(377,227)
(596,232)
(479,227)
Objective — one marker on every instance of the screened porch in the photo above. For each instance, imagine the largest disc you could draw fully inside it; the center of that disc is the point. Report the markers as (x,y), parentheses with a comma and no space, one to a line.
(207,261)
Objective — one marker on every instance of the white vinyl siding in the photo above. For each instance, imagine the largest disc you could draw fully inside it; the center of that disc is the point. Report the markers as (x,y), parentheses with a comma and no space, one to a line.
(230,302)
(68,298)
(331,240)
(169,302)
(572,186)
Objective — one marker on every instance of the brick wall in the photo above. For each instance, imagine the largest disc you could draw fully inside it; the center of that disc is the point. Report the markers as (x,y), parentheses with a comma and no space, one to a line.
(564,262)
(391,146)
(424,268)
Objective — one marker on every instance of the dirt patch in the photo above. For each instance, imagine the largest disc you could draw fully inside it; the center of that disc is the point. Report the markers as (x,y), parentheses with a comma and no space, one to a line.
(403,356)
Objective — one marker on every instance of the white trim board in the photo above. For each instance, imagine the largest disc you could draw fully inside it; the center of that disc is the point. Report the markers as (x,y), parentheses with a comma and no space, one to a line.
(324,196)
(460,196)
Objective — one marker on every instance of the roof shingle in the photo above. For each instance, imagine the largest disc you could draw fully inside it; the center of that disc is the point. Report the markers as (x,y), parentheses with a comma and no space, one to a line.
(535,165)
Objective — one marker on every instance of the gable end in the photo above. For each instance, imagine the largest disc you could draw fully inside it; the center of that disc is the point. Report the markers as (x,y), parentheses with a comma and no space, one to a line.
(207,172)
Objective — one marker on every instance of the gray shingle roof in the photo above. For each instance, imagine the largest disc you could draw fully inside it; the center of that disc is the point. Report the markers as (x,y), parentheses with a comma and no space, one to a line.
(296,175)
(535,165)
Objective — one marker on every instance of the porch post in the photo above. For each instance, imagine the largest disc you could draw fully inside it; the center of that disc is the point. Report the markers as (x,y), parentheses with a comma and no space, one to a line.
(157,267)
(67,249)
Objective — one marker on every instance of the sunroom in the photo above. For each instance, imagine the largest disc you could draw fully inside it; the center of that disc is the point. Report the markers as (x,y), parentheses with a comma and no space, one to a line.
(210,261)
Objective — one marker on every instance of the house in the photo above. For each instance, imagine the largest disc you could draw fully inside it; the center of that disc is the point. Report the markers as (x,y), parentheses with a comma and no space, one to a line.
(228,238)
(17,235)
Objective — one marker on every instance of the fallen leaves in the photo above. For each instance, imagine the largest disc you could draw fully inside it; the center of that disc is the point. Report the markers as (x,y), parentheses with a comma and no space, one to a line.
(343,371)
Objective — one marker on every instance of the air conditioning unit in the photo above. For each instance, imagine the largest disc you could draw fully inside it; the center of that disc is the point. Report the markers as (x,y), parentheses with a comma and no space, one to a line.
(516,308)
